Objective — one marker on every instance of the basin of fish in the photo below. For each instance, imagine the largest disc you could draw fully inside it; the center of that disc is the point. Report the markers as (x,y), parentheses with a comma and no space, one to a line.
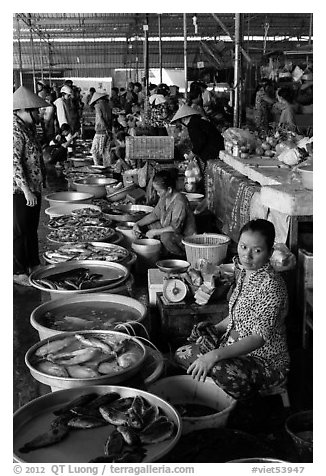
(72,359)
(95,424)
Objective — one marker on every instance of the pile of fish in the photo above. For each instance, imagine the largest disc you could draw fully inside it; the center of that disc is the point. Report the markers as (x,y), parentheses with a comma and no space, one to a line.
(74,279)
(86,212)
(136,423)
(69,234)
(78,220)
(87,251)
(83,356)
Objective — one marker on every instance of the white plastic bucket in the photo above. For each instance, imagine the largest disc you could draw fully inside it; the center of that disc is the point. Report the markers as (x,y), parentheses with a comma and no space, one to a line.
(183,389)
(148,252)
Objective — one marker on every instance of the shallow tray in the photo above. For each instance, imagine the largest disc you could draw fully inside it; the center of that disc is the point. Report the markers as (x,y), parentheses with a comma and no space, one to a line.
(98,245)
(109,233)
(81,445)
(118,272)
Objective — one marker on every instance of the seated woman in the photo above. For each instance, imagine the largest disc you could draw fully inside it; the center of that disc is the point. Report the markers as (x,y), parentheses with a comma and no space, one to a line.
(288,108)
(247,351)
(59,145)
(172,218)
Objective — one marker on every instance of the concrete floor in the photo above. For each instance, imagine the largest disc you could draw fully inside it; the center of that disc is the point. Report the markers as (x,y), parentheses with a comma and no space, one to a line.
(265,418)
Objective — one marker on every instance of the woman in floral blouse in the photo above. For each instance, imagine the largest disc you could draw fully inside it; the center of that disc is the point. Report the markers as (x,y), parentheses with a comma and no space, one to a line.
(28,179)
(247,351)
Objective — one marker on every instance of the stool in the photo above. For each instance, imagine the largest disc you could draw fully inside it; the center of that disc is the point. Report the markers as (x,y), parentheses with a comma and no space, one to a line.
(279,389)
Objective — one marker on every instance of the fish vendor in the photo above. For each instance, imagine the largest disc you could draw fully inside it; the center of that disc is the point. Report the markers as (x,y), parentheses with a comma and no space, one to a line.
(247,351)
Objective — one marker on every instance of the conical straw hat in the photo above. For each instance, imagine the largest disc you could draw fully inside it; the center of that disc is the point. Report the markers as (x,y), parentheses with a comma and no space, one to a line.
(24,98)
(96,96)
(184,111)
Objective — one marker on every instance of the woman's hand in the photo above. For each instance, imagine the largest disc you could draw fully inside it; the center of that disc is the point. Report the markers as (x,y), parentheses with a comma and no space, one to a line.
(200,367)
(152,233)
(136,230)
(31,199)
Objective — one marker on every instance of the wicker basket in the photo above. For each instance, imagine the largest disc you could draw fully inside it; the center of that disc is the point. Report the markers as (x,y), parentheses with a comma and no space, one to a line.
(150,147)
(209,246)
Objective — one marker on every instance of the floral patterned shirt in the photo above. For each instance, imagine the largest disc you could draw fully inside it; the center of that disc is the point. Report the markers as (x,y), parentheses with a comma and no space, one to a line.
(260,307)
(29,167)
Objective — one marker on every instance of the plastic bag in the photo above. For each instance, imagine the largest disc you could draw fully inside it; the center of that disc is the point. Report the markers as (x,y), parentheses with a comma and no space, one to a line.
(282,258)
(239,137)
(290,156)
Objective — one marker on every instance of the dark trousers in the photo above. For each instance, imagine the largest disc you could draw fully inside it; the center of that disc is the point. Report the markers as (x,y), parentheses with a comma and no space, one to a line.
(26,220)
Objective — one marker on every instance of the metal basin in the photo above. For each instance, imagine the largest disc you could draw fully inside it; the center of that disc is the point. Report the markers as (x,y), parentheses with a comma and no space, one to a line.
(81,446)
(78,306)
(59,210)
(95,186)
(59,383)
(173,266)
(115,271)
(62,198)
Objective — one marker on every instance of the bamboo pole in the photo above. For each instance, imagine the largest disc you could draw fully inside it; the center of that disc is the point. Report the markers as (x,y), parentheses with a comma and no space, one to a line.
(32,49)
(236,70)
(185,53)
(146,71)
(19,53)
(160,45)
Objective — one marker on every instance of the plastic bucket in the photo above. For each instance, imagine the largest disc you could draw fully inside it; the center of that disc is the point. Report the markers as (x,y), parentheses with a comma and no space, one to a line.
(300,426)
(148,252)
(183,389)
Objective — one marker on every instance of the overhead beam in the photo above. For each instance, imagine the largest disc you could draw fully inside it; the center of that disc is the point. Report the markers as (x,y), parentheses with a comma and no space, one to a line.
(245,54)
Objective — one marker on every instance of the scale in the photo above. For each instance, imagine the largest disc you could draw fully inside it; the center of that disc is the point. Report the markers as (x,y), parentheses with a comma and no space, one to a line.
(174,287)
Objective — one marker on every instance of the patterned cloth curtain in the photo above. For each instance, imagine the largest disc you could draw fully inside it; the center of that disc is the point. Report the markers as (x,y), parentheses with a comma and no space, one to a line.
(229,195)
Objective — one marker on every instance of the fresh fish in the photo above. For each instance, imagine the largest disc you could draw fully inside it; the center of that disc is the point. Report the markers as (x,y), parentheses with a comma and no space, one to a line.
(45,283)
(156,432)
(76,320)
(115,417)
(134,420)
(127,360)
(81,371)
(119,347)
(113,444)
(60,420)
(51,368)
(94,342)
(129,435)
(85,412)
(54,435)
(103,400)
(139,405)
(150,415)
(75,357)
(108,367)
(122,404)
(70,284)
(86,422)
(54,346)
(76,402)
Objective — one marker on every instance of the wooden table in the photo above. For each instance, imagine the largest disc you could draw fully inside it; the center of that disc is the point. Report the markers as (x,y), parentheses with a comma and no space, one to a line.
(178,319)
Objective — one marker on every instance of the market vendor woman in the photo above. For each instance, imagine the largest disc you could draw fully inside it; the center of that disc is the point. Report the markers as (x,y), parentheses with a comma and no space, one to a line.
(172,218)
(247,351)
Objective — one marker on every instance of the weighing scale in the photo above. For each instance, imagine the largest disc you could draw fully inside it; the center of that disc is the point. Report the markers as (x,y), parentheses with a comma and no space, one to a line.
(175,288)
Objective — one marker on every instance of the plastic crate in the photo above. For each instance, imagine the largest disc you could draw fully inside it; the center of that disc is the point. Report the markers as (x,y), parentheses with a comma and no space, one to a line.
(209,246)
(150,148)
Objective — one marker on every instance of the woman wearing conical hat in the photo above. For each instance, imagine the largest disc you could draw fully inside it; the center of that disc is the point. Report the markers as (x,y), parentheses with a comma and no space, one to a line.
(206,140)
(103,123)
(28,180)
